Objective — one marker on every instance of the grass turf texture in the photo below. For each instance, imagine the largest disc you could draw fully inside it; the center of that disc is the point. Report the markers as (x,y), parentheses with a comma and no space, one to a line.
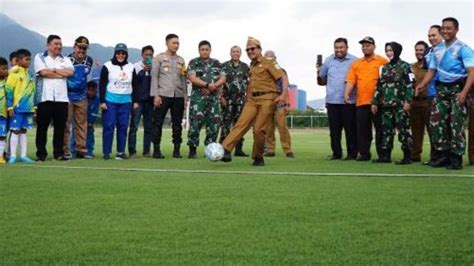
(98,214)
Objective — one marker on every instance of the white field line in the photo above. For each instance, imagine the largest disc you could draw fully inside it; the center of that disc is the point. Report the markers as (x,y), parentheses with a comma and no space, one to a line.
(233,172)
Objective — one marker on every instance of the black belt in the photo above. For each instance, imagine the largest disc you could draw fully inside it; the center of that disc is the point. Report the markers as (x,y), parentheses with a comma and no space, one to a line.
(420,98)
(260,93)
(451,84)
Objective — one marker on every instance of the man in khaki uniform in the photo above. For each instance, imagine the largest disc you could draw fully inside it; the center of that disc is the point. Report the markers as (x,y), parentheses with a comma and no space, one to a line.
(421,105)
(280,121)
(262,99)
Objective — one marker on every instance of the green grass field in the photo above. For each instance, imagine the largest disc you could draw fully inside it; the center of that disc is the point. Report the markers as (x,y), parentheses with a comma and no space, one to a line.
(305,210)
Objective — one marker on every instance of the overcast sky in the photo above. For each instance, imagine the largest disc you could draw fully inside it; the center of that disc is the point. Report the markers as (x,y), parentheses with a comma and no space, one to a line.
(296,31)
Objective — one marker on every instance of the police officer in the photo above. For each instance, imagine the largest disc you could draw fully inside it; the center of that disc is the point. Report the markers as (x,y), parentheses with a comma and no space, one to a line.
(453,60)
(168,87)
(207,77)
(233,94)
(394,95)
(280,121)
(262,98)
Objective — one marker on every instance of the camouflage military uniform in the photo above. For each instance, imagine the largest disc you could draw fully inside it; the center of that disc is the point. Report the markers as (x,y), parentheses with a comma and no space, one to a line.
(393,90)
(445,107)
(205,109)
(234,94)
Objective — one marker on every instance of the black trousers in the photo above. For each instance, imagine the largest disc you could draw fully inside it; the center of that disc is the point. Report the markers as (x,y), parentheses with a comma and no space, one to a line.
(176,105)
(47,112)
(342,116)
(365,119)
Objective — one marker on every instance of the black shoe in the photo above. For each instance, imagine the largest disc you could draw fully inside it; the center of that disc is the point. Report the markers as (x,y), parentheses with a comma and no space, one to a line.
(456,163)
(240,153)
(269,154)
(290,155)
(176,152)
(426,163)
(442,160)
(406,157)
(80,155)
(61,158)
(121,156)
(350,158)
(238,150)
(334,157)
(106,157)
(227,157)
(39,159)
(471,163)
(363,158)
(416,160)
(382,160)
(192,152)
(403,161)
(146,155)
(158,155)
(258,162)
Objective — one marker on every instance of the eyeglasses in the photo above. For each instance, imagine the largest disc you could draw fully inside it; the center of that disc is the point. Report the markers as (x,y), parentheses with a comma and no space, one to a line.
(250,49)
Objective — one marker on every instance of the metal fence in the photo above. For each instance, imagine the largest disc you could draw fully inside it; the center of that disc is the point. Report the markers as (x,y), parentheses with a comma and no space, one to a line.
(307,121)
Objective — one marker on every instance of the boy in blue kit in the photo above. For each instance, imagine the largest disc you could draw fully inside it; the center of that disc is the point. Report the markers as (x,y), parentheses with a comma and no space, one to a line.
(21,103)
(92,114)
(3,108)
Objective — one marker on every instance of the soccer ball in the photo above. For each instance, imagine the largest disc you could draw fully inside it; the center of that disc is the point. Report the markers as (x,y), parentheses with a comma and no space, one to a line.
(214,152)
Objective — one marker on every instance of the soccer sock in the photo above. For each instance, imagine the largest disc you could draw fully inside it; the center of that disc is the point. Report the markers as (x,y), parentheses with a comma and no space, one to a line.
(2,147)
(23,144)
(13,144)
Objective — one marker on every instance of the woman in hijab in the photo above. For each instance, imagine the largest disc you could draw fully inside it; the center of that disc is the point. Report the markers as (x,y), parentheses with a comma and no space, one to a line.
(393,95)
(115,90)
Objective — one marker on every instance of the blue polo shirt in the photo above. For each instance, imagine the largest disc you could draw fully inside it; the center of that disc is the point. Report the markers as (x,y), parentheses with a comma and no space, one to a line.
(334,71)
(451,62)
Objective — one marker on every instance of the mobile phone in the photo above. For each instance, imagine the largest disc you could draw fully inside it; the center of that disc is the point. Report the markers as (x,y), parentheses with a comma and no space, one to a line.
(319,60)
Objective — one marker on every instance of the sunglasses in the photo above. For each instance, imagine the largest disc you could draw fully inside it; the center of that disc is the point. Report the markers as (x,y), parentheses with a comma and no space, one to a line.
(251,49)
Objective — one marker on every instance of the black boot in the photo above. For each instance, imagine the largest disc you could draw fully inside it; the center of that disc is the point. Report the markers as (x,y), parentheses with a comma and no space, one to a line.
(192,152)
(157,153)
(238,150)
(385,156)
(176,152)
(406,158)
(442,160)
(456,162)
(227,156)
(258,161)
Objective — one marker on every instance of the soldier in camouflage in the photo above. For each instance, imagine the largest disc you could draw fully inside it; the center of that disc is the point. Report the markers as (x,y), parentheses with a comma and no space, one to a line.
(453,61)
(234,95)
(207,77)
(393,95)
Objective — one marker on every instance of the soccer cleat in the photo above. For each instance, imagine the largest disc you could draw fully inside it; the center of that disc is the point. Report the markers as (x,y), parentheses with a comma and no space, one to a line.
(2,160)
(26,160)
(290,155)
(106,157)
(12,160)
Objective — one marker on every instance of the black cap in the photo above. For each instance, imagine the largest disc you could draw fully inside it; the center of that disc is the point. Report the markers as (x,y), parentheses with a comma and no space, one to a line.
(82,41)
(368,40)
